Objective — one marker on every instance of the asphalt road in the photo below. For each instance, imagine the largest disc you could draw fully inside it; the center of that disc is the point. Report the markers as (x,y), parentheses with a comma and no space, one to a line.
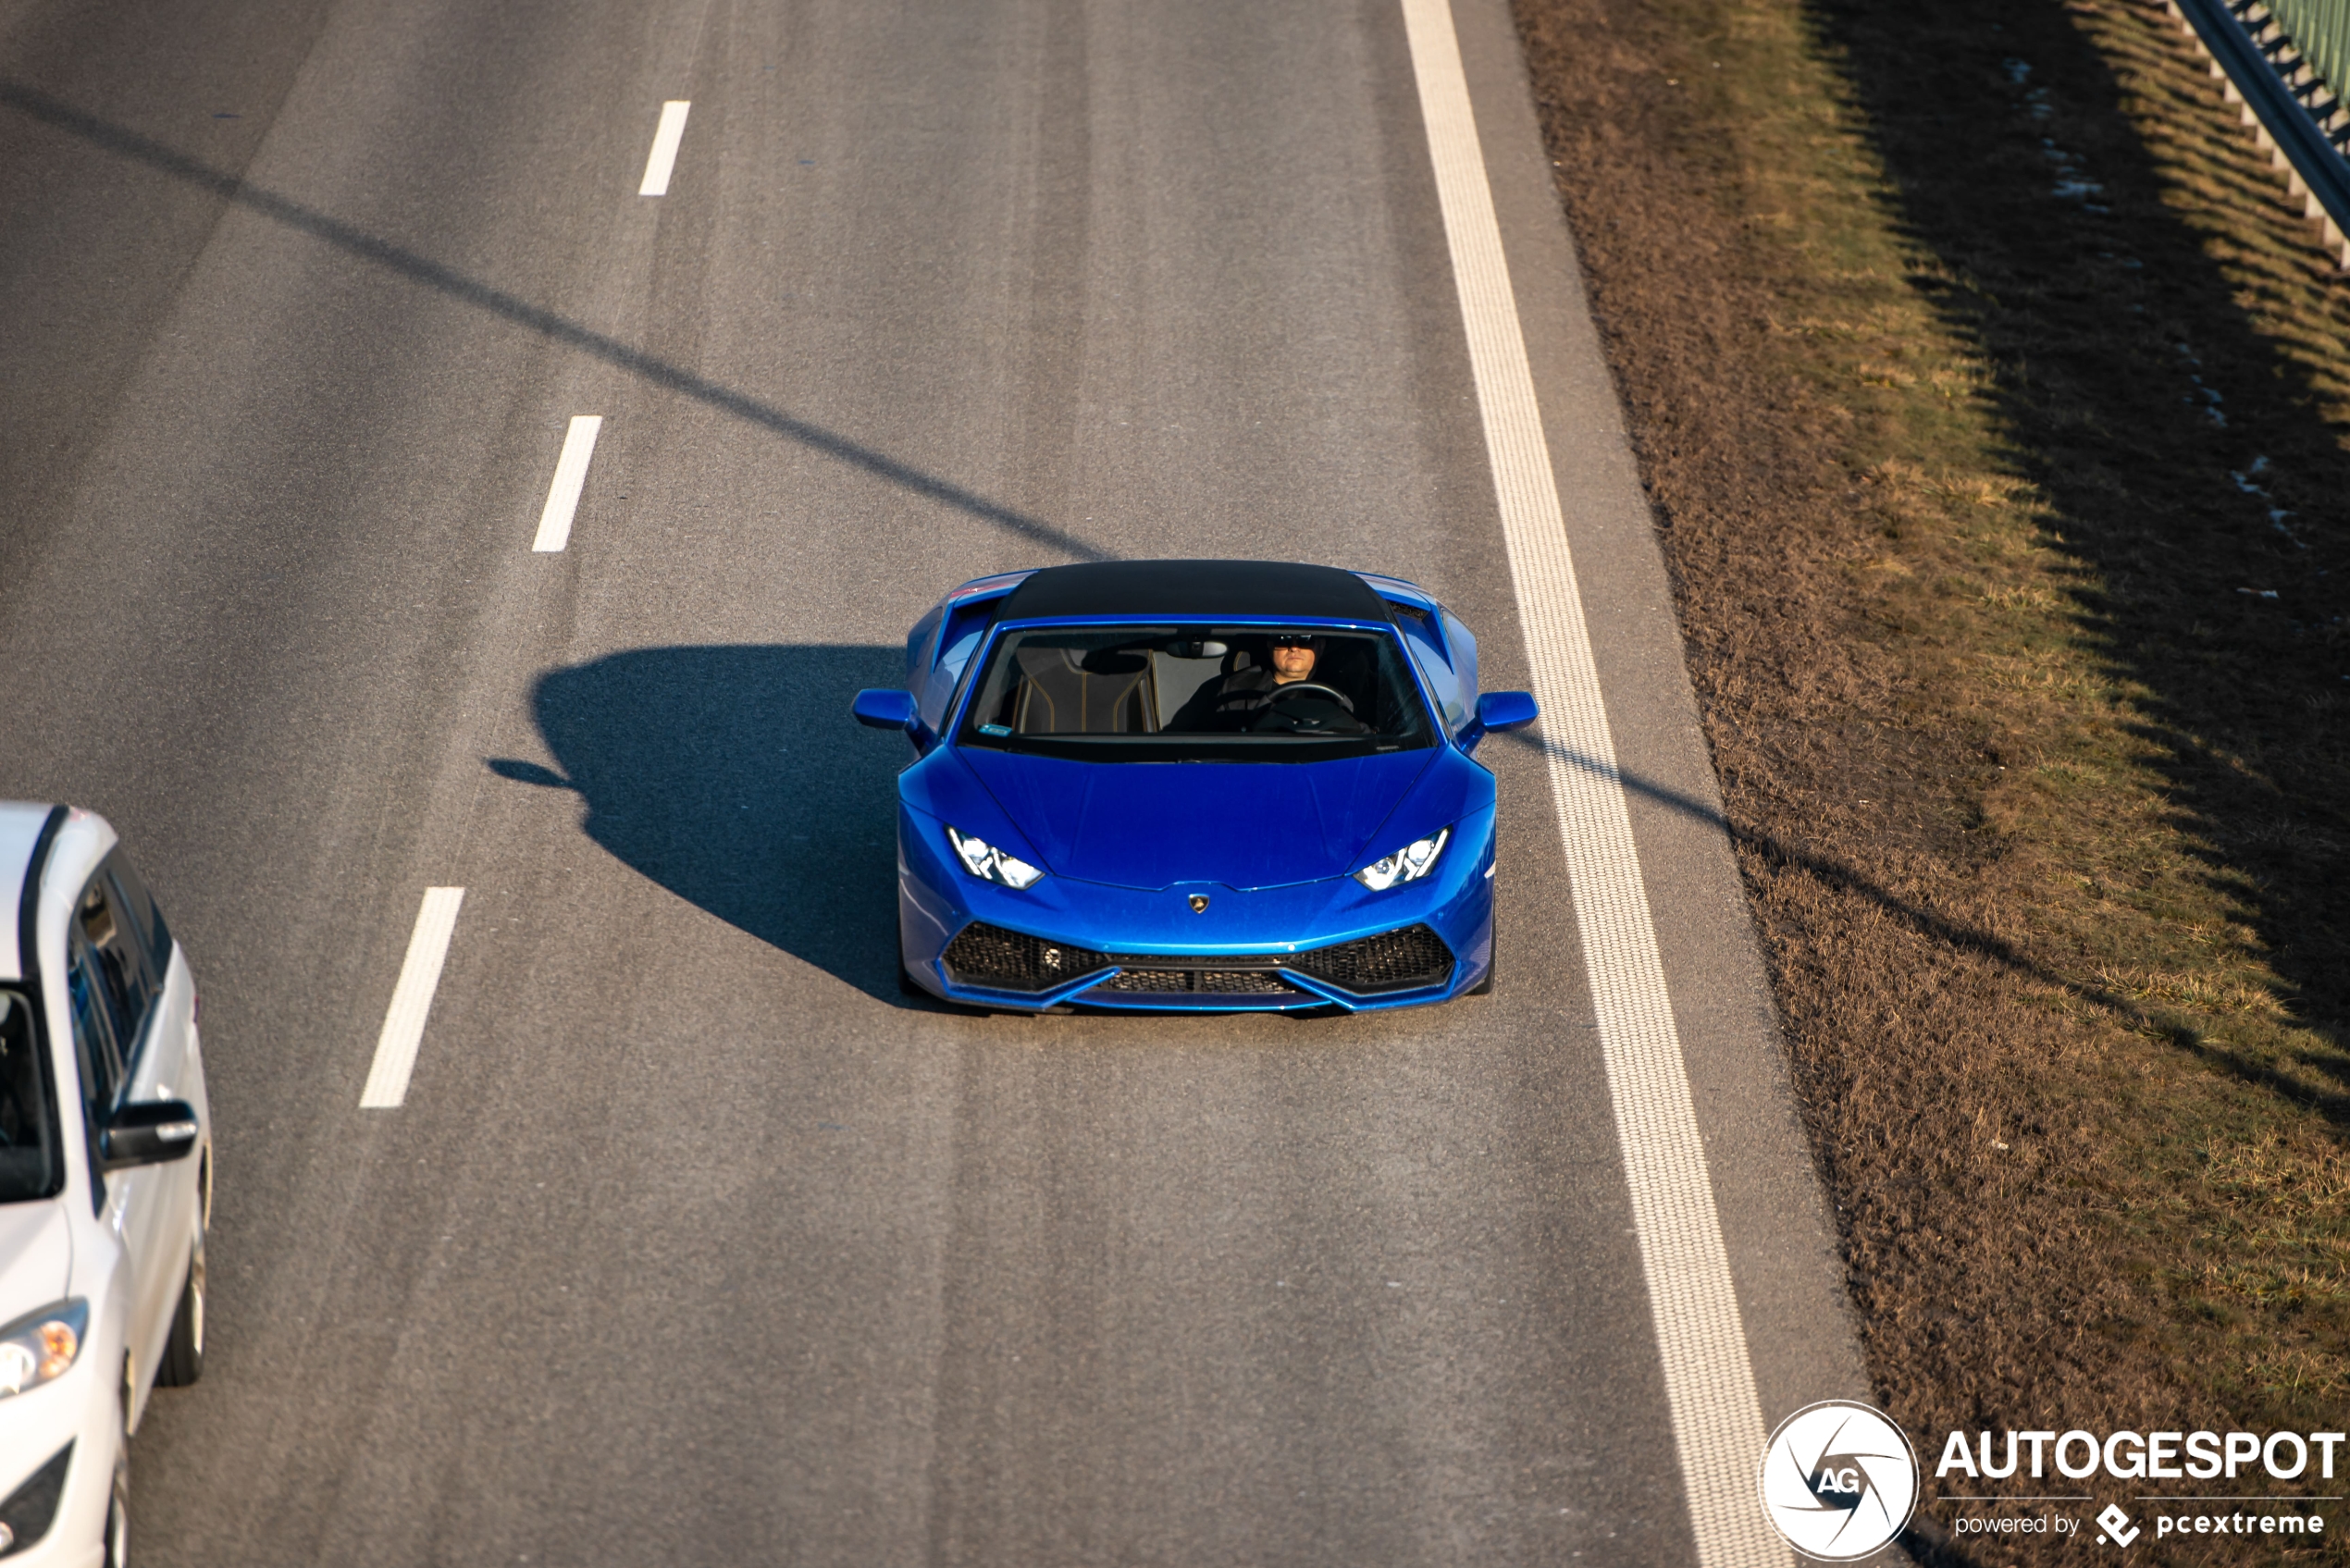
(694,1243)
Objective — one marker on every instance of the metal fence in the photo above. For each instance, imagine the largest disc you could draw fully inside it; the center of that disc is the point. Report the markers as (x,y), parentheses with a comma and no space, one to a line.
(2288,101)
(2320,30)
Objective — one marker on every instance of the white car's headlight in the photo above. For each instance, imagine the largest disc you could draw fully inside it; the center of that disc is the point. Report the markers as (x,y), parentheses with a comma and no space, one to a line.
(1410,863)
(40,1347)
(983,859)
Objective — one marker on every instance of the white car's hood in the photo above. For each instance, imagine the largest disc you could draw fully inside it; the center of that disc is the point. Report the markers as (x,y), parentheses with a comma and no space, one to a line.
(36,1256)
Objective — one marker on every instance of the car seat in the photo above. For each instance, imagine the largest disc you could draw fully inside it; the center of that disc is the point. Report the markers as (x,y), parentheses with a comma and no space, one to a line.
(1080,691)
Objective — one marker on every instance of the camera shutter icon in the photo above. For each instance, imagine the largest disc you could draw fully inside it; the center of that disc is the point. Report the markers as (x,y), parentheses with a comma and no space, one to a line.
(1839,1480)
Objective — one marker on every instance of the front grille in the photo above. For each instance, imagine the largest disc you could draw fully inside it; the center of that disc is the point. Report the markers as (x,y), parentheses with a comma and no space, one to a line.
(1006,960)
(1148,980)
(1240,983)
(1217,982)
(1393,960)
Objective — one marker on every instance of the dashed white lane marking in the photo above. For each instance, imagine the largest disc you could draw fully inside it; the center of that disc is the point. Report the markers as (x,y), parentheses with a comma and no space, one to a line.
(666,135)
(411,1000)
(571,474)
(1709,1381)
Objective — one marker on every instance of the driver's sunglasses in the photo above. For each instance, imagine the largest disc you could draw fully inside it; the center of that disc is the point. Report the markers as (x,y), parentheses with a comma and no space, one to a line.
(1293,642)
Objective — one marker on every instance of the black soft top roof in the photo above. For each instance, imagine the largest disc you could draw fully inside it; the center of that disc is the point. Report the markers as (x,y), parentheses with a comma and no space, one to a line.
(1152,589)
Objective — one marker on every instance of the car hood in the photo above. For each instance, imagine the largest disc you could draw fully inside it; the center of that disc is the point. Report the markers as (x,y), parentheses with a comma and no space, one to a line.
(1153,824)
(36,1256)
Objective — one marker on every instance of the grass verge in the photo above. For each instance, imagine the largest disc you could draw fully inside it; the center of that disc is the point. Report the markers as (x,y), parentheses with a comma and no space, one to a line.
(1993,400)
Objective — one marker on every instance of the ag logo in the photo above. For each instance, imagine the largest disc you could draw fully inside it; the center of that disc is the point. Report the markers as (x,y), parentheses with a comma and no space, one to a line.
(1839,1480)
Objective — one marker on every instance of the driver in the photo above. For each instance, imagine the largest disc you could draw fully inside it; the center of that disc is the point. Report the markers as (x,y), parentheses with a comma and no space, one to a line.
(1235,701)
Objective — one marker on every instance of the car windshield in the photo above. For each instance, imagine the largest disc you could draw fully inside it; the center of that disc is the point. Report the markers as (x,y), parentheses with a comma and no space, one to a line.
(1197,694)
(29,1165)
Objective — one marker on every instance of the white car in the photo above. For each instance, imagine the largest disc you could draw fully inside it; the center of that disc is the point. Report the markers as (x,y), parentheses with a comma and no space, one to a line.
(105,1181)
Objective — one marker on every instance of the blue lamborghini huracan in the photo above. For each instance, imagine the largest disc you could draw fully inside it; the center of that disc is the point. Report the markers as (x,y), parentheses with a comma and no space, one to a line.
(1216,784)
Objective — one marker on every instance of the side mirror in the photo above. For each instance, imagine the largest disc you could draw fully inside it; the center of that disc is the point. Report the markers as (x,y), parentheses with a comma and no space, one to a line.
(149,1132)
(886,707)
(1499,710)
(1506,710)
(883,708)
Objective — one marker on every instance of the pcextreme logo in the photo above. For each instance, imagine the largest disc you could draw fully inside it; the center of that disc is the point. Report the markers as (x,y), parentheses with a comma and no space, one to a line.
(2116,1527)
(1839,1480)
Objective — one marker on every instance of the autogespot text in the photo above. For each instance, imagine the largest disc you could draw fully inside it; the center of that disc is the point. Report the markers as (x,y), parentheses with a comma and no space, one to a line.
(2150,1456)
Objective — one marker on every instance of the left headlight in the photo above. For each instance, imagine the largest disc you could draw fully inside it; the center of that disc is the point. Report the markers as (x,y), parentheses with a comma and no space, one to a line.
(983,859)
(1410,863)
(40,1347)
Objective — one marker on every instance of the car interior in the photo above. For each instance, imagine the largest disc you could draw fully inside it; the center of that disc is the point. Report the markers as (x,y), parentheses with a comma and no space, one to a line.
(1091,682)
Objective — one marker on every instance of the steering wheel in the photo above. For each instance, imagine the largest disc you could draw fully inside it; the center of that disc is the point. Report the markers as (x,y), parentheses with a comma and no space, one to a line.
(1314,688)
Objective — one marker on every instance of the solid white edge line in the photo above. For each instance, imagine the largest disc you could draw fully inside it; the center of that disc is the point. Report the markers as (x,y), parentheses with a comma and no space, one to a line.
(663,159)
(1709,1380)
(403,1027)
(570,475)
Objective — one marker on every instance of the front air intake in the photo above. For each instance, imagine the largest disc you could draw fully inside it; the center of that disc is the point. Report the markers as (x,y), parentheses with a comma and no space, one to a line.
(1393,960)
(997,959)
(25,1513)
(1006,960)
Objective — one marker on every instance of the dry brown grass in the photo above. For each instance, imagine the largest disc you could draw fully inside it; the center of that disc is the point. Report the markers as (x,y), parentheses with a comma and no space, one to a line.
(1969,349)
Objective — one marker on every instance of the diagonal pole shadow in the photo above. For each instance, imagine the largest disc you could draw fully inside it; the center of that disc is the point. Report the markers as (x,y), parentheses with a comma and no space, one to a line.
(1832,871)
(38,106)
(1924,921)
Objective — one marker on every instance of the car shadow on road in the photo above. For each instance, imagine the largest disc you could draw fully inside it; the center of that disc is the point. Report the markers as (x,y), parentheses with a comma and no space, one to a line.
(734,777)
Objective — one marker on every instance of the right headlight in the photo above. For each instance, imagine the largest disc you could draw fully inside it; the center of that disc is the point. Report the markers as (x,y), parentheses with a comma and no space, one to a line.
(983,859)
(40,1347)
(1410,863)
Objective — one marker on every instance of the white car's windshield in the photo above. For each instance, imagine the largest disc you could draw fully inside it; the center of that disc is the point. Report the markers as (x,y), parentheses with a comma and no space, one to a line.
(30,1163)
(1177,694)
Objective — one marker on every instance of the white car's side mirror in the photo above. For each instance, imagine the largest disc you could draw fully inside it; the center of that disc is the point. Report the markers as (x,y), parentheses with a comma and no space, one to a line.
(149,1132)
